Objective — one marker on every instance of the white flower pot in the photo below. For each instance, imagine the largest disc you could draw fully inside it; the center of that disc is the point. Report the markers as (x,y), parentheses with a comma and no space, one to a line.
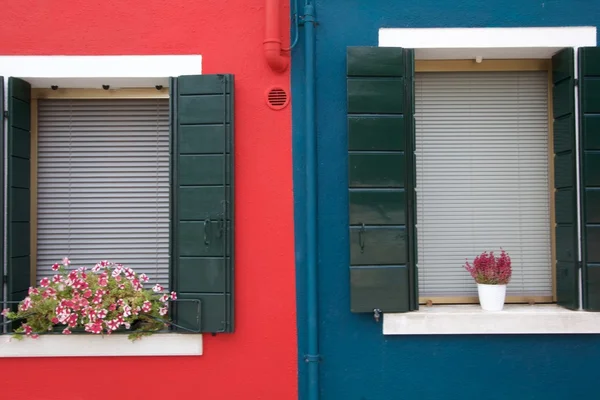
(491,297)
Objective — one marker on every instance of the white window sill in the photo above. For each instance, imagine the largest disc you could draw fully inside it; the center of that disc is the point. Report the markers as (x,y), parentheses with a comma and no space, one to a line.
(472,320)
(87,345)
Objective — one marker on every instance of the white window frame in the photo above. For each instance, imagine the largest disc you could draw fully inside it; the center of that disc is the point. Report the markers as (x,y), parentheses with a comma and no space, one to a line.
(478,44)
(91,72)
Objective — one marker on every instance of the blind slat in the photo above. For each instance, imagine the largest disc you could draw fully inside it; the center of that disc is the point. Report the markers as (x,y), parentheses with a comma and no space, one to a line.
(482,178)
(103,184)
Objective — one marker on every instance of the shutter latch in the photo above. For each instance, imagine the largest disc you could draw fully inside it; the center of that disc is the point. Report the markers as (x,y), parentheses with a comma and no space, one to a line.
(5,114)
(376,314)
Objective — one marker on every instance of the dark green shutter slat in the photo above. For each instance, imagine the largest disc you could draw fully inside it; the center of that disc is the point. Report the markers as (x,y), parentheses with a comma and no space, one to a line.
(18,190)
(380,99)
(589,106)
(202,200)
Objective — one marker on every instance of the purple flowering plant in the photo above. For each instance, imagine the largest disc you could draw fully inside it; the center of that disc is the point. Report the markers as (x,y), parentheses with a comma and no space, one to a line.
(490,270)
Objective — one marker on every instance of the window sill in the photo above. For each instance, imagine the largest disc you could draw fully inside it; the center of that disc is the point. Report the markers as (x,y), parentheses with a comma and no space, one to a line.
(472,320)
(168,344)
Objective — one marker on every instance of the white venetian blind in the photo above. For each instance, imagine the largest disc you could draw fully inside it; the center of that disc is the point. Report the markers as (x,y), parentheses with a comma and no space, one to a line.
(482,178)
(103,184)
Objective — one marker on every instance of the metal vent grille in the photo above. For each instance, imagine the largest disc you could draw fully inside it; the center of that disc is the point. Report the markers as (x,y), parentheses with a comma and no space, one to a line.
(277,98)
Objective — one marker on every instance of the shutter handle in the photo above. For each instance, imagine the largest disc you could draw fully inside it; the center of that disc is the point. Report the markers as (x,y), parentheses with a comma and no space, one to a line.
(207,231)
(361,238)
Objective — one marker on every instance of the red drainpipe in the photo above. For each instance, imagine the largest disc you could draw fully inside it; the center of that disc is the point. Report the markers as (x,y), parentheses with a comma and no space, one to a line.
(272,44)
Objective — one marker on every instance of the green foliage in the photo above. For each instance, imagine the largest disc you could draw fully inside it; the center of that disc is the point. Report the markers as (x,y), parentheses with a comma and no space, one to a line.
(109,298)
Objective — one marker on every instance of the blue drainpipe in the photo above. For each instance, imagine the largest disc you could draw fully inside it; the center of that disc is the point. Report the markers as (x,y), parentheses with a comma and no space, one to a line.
(312,357)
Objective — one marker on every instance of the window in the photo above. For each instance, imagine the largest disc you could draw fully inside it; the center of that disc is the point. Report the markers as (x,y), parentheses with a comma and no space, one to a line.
(483,180)
(143,177)
(103,184)
(407,215)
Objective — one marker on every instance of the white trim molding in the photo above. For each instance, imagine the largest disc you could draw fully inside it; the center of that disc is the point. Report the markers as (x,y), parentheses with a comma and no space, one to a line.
(87,345)
(472,320)
(95,71)
(496,43)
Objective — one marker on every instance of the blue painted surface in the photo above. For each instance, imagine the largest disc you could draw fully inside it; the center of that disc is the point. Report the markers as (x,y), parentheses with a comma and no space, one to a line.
(358,361)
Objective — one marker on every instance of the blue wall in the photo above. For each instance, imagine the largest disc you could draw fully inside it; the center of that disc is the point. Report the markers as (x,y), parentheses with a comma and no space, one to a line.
(358,361)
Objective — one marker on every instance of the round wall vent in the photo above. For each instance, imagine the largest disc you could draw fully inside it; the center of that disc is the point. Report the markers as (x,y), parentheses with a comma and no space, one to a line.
(277,98)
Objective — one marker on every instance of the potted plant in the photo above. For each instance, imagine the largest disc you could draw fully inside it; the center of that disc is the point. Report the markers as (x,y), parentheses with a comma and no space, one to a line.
(492,274)
(108,298)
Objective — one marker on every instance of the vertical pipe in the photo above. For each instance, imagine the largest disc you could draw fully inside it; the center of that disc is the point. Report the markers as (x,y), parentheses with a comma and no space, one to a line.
(312,357)
(272,43)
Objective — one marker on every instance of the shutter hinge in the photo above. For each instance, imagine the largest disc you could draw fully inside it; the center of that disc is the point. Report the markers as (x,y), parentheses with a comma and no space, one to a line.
(5,114)
(576,82)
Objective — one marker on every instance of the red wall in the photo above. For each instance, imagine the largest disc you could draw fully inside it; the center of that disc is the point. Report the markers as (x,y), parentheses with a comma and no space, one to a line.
(258,361)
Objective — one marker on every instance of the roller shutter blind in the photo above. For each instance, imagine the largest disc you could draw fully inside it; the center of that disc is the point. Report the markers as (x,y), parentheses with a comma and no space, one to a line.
(482,178)
(103,184)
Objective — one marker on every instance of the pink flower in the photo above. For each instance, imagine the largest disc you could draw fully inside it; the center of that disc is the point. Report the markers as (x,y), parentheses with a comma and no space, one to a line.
(66,261)
(116,272)
(127,325)
(118,278)
(162,310)
(55,320)
(33,291)
(73,275)
(95,327)
(129,274)
(5,312)
(102,313)
(144,278)
(164,298)
(45,282)
(121,286)
(126,311)
(72,320)
(147,306)
(27,329)
(137,286)
(173,295)
(112,307)
(26,305)
(157,288)
(120,302)
(55,267)
(66,331)
(112,325)
(51,292)
(56,279)
(87,294)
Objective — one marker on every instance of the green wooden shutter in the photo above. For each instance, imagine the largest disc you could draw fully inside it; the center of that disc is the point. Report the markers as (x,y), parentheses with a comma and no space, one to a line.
(565,180)
(18,191)
(589,112)
(202,199)
(380,90)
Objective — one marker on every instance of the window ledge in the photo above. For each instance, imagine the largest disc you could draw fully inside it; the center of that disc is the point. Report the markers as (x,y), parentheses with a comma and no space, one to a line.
(168,344)
(472,320)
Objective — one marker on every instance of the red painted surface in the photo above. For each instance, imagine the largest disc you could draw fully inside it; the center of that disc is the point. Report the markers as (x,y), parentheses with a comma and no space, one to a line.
(258,361)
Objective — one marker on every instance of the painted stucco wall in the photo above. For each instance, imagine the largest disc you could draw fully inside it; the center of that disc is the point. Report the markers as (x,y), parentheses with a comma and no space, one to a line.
(358,362)
(258,361)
